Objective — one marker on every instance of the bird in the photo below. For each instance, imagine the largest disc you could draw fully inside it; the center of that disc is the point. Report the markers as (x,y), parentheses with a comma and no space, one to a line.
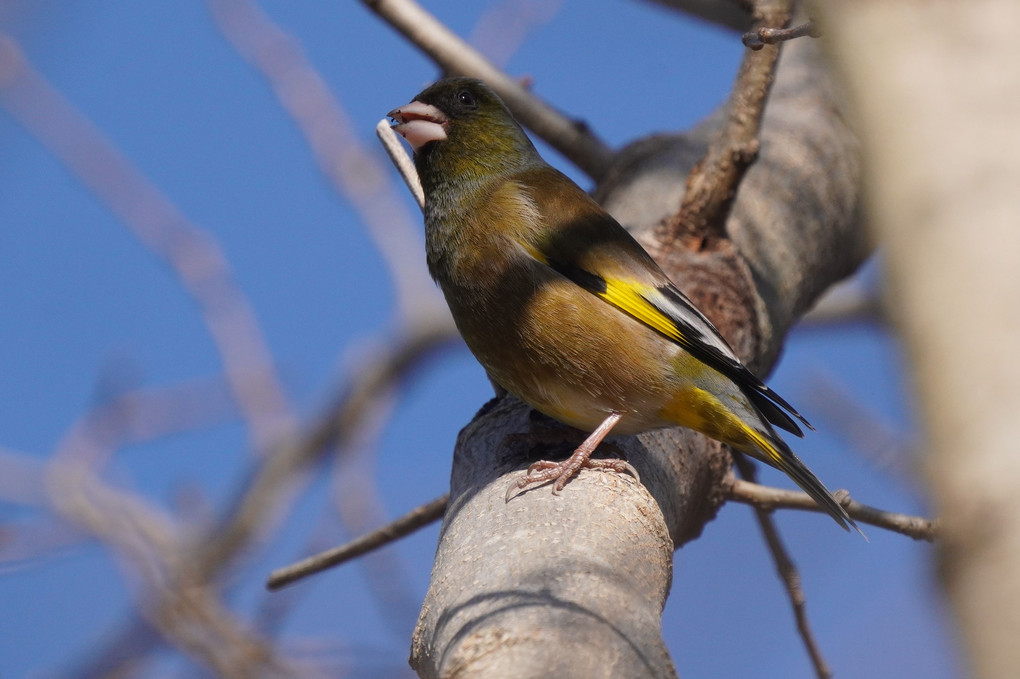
(562,306)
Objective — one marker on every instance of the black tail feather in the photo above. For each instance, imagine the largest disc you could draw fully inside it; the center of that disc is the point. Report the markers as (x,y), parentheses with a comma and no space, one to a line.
(774,451)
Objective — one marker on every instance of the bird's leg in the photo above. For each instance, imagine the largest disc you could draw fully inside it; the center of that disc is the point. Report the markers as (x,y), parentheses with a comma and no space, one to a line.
(561,472)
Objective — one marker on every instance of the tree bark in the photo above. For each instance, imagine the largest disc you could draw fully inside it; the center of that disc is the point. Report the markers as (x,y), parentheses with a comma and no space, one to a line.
(573,585)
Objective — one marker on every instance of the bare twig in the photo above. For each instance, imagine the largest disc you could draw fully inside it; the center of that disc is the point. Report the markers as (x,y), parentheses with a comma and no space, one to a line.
(762,36)
(712,185)
(768,497)
(192,254)
(405,525)
(452,54)
(788,573)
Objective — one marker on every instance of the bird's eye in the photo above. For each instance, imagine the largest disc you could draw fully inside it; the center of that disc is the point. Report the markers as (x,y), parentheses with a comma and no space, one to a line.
(467,99)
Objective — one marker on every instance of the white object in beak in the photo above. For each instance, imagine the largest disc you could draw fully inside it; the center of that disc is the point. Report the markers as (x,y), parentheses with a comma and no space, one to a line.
(419,123)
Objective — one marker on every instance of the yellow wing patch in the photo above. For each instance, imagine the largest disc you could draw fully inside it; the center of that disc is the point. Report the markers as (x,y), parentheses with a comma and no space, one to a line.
(629,298)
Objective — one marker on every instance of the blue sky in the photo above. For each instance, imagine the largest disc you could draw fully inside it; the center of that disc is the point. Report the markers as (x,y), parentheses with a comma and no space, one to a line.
(85,306)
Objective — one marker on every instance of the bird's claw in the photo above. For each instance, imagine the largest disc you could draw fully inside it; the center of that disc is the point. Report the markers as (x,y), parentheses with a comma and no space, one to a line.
(560,473)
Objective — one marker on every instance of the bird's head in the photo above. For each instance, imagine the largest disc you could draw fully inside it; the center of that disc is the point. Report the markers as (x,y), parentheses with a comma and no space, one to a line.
(460,129)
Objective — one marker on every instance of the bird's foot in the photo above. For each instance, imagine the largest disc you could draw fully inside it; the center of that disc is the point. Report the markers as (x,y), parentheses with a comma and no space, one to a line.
(560,473)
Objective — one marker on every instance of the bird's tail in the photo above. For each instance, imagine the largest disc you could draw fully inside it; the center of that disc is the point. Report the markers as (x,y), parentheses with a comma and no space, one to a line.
(774,451)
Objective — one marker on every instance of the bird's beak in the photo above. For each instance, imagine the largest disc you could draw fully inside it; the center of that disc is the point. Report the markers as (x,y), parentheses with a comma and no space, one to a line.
(419,123)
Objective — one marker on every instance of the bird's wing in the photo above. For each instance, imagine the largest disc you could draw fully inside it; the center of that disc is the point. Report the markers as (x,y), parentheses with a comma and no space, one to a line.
(590,248)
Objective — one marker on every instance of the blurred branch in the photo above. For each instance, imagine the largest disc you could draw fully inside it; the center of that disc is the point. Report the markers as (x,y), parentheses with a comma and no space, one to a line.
(712,185)
(147,538)
(26,544)
(391,532)
(276,474)
(146,414)
(943,166)
(787,572)
(132,417)
(769,498)
(352,170)
(179,576)
(455,57)
(172,597)
(192,254)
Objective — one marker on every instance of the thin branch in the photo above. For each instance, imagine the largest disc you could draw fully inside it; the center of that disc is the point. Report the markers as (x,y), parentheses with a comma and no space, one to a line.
(456,57)
(788,573)
(767,497)
(762,35)
(400,527)
(712,185)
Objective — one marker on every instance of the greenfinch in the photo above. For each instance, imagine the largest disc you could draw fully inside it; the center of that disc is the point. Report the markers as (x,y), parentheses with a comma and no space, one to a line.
(563,308)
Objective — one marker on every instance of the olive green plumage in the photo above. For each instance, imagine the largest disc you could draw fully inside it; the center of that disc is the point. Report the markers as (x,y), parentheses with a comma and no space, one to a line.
(561,305)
